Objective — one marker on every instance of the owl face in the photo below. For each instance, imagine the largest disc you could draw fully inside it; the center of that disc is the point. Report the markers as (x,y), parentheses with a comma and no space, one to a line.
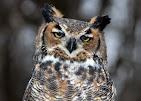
(69,38)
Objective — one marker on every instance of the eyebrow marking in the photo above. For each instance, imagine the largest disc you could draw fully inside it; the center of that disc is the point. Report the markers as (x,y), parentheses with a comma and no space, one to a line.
(58,27)
(57,30)
(84,31)
(89,35)
(63,28)
(88,31)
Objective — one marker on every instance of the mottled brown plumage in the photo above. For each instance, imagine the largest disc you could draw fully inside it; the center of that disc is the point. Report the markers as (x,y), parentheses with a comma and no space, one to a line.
(70,61)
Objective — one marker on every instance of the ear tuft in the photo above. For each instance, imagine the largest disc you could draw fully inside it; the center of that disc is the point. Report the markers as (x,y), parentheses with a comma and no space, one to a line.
(100,22)
(49,11)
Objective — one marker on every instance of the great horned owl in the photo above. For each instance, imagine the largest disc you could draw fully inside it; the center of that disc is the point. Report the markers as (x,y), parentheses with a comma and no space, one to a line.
(70,60)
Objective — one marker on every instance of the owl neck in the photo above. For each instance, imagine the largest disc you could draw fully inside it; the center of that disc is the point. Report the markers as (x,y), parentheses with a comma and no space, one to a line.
(95,61)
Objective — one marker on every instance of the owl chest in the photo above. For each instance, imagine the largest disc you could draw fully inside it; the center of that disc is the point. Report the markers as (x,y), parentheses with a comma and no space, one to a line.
(69,80)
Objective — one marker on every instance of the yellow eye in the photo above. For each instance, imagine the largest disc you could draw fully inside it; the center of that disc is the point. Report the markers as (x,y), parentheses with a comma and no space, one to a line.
(58,34)
(85,38)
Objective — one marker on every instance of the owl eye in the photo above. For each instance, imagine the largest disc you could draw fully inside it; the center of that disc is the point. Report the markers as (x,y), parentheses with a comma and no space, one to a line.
(85,39)
(58,34)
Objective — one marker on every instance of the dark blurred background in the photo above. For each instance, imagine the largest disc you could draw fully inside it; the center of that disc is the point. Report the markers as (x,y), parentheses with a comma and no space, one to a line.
(19,22)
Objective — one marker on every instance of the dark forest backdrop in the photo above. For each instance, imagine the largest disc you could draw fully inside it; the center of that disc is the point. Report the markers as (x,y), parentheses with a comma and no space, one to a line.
(19,22)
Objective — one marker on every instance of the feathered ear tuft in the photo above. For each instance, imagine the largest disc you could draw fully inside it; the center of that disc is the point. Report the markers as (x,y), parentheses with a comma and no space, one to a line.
(100,22)
(49,11)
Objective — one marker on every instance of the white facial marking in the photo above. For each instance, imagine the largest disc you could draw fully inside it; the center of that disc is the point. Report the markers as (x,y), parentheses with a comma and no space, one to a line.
(75,64)
(56,30)
(50,58)
(83,31)
(89,35)
(64,27)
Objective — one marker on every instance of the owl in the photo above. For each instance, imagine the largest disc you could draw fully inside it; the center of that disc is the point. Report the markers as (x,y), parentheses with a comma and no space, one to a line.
(70,60)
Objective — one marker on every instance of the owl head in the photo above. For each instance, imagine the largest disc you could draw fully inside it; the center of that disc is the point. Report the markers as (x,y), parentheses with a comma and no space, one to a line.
(70,39)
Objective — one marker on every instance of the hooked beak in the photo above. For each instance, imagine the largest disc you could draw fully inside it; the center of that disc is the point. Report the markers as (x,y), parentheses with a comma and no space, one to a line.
(71,45)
